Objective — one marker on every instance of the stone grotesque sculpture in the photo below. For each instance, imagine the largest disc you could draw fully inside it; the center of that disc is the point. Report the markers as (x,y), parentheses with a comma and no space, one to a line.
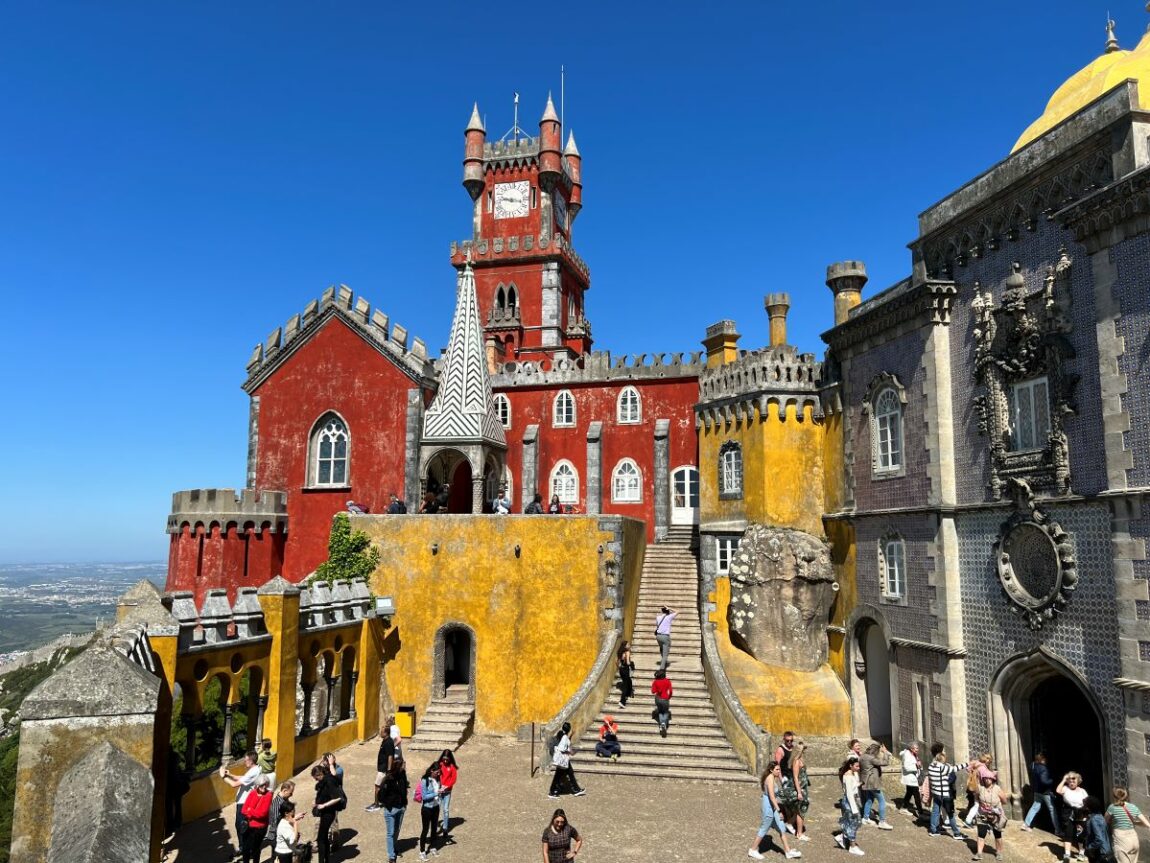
(782,587)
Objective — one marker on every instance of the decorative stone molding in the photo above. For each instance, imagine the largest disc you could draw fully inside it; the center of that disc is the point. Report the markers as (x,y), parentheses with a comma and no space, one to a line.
(1112,214)
(597,367)
(1021,340)
(263,509)
(1035,560)
(775,370)
(881,316)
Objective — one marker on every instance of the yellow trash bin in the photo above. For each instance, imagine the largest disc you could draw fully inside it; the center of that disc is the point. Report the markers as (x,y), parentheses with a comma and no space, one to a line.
(405,719)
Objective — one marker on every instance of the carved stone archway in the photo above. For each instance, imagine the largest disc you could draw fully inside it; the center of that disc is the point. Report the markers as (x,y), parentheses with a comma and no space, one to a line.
(867,624)
(439,677)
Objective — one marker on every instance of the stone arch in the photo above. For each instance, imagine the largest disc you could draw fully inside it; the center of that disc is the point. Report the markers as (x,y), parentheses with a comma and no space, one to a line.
(449,631)
(1015,689)
(872,675)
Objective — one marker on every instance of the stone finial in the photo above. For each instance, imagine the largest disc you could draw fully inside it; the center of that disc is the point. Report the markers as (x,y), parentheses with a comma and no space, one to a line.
(777,306)
(475,124)
(549,112)
(1111,39)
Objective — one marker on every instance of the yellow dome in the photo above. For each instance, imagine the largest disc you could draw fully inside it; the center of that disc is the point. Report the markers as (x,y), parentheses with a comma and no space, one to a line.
(1082,88)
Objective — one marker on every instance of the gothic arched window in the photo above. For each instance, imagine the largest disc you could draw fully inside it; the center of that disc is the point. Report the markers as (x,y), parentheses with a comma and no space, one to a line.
(503,410)
(512,298)
(500,298)
(330,449)
(730,470)
(629,408)
(564,412)
(626,482)
(892,566)
(888,431)
(565,482)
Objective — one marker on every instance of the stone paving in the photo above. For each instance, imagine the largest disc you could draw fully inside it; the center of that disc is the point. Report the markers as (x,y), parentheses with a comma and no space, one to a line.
(499,812)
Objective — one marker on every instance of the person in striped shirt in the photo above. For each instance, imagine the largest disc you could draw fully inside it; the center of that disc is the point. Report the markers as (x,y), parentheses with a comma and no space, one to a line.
(941,777)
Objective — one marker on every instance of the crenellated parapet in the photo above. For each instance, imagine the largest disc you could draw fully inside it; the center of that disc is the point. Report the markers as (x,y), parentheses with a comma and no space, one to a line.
(598,367)
(222,506)
(736,390)
(493,249)
(390,338)
(323,605)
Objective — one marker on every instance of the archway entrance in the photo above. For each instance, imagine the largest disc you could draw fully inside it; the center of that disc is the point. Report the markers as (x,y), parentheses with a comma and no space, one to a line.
(1039,704)
(459,498)
(872,712)
(454,659)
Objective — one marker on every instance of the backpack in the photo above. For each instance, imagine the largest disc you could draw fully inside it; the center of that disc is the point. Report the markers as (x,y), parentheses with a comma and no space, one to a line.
(339,807)
(418,797)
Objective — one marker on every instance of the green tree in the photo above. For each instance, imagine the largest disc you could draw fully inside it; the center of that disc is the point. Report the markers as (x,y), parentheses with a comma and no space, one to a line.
(350,554)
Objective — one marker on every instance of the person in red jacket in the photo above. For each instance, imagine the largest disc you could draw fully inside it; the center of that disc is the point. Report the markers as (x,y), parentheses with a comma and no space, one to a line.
(257,806)
(661,689)
(448,773)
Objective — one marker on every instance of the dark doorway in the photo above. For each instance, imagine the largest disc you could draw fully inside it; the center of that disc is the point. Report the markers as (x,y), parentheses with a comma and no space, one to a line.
(457,658)
(459,500)
(1063,724)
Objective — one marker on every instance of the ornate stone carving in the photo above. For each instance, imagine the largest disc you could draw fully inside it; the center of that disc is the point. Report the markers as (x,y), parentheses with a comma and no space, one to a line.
(1034,559)
(782,587)
(1023,340)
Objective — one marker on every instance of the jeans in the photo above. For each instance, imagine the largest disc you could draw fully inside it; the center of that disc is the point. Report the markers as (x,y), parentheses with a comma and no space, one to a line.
(912,793)
(867,797)
(943,807)
(771,818)
(1043,798)
(394,819)
(445,809)
(429,827)
(664,649)
(663,711)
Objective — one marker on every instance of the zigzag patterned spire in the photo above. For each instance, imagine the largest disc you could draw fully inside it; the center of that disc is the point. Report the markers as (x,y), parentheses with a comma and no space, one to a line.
(463,409)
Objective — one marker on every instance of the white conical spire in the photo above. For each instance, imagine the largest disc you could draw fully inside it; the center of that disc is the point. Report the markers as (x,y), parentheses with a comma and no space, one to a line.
(463,410)
(476,122)
(570,149)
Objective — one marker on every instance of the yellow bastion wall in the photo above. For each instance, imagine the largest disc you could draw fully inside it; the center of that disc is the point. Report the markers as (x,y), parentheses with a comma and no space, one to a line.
(537,617)
(841,535)
(782,471)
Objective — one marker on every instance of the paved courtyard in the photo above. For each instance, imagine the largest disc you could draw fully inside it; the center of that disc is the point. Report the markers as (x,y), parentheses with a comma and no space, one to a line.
(499,812)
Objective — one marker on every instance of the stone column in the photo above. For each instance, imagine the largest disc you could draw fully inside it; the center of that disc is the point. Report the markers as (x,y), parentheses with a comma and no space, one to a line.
(226,748)
(351,695)
(662,478)
(595,468)
(530,465)
(413,427)
(477,494)
(279,600)
(308,692)
(551,335)
(262,706)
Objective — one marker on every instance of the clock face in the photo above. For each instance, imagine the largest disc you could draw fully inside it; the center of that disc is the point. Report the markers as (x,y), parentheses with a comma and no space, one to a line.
(511,199)
(560,211)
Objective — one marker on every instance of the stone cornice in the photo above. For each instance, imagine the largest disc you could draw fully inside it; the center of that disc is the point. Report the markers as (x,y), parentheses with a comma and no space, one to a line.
(927,303)
(1111,214)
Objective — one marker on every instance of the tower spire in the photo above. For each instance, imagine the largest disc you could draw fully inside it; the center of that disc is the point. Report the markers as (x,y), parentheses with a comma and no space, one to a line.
(1111,39)
(476,122)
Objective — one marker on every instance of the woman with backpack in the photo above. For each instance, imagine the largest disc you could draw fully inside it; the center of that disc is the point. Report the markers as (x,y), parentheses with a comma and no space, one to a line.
(427,796)
(329,799)
(393,800)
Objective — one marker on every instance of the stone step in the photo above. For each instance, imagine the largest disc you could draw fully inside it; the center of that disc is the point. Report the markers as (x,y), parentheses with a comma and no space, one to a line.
(684,729)
(462,708)
(729,764)
(639,709)
(655,744)
(626,767)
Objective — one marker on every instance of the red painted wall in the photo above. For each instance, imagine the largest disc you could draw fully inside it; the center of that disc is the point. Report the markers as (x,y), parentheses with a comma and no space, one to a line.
(232,556)
(335,370)
(661,399)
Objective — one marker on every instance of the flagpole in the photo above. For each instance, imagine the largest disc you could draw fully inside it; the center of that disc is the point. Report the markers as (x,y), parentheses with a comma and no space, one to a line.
(562,95)
(515,126)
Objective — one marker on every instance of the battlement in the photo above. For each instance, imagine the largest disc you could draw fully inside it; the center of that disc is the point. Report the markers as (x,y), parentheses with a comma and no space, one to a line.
(780,374)
(597,367)
(374,325)
(490,249)
(223,506)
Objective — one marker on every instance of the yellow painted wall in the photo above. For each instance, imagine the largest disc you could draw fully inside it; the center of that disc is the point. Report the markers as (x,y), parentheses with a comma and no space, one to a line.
(842,538)
(538,618)
(782,471)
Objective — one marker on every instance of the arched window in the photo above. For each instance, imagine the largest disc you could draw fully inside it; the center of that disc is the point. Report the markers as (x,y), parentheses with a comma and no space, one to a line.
(730,470)
(503,410)
(331,451)
(892,565)
(629,408)
(500,298)
(888,431)
(1030,414)
(512,298)
(626,482)
(565,482)
(564,413)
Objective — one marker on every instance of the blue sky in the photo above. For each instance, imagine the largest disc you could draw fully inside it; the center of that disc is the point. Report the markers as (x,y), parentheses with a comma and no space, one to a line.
(178,179)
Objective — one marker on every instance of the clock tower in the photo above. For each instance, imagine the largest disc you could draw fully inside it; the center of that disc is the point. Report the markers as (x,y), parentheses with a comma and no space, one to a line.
(530,283)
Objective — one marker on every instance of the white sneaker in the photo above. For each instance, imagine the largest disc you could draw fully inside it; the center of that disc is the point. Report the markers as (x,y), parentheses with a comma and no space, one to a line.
(794,854)
(882,825)
(804,838)
(790,829)
(754,854)
(858,852)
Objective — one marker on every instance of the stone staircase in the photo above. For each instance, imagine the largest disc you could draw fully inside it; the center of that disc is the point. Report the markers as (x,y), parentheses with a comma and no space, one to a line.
(695,747)
(445,724)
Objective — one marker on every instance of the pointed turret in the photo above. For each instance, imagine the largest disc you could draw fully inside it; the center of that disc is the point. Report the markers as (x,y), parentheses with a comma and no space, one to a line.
(475,137)
(1111,39)
(550,140)
(575,172)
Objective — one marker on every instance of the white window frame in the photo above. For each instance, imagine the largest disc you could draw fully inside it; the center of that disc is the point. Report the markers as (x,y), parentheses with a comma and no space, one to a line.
(725,548)
(629,407)
(887,429)
(1024,404)
(626,482)
(563,410)
(503,410)
(892,562)
(731,470)
(568,490)
(330,425)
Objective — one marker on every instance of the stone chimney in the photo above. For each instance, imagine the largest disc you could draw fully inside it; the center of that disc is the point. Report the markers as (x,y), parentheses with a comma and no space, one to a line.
(777,306)
(846,280)
(721,344)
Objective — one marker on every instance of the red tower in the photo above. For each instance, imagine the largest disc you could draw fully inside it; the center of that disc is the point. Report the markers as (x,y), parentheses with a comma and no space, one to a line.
(526,193)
